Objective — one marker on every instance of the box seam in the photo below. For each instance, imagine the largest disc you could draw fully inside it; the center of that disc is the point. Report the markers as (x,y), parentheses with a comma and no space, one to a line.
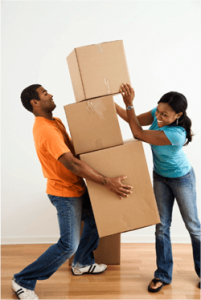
(80,73)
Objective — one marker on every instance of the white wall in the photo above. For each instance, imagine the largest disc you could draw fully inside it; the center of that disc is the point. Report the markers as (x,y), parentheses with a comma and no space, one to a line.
(162,44)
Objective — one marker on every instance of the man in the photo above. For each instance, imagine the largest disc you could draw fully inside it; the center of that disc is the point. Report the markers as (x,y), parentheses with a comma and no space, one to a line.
(67,192)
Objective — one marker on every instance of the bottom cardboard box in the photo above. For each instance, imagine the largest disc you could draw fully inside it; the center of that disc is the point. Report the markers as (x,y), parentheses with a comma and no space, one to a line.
(108,251)
(112,214)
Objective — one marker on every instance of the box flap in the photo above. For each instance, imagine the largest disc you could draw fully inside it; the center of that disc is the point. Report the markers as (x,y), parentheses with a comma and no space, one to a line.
(76,79)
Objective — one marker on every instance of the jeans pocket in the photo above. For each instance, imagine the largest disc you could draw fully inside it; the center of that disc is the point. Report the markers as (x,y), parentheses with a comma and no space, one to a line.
(186,180)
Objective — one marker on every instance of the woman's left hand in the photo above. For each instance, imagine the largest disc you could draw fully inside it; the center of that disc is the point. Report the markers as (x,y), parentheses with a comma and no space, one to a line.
(127,93)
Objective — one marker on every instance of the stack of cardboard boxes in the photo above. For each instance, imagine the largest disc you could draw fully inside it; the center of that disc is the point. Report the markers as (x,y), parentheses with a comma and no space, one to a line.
(97,71)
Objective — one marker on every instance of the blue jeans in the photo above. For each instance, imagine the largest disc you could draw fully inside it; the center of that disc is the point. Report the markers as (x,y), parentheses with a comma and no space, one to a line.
(166,191)
(70,211)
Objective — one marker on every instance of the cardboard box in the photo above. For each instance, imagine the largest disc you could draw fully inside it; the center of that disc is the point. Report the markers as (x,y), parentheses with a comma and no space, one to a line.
(139,210)
(93,124)
(108,251)
(98,70)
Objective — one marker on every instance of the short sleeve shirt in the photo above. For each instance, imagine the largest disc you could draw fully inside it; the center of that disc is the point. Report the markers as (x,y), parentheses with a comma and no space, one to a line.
(51,141)
(170,160)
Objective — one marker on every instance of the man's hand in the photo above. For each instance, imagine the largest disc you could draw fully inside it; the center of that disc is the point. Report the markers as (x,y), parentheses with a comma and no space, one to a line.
(127,93)
(83,170)
(116,186)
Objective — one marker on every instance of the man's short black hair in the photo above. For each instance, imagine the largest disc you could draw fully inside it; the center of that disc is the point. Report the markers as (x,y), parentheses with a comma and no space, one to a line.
(28,94)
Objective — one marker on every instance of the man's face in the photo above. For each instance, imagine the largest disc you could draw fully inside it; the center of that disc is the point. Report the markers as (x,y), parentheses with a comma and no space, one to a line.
(46,100)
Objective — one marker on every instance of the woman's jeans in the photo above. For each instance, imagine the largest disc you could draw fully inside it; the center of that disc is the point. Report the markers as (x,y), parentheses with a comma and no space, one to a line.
(183,190)
(70,211)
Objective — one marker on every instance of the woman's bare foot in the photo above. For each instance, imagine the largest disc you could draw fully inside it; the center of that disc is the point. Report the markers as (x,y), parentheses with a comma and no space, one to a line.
(155,285)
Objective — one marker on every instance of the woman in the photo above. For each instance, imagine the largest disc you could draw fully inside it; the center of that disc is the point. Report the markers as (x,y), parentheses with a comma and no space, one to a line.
(173,176)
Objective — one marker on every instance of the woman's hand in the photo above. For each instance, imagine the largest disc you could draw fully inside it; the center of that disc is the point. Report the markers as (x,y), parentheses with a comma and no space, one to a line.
(127,93)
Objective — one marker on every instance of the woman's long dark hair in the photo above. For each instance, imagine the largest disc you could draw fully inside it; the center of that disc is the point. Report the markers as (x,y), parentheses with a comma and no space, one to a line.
(178,103)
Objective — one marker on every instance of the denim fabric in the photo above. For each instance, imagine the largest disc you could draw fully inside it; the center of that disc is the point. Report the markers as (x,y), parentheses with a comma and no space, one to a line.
(166,191)
(70,211)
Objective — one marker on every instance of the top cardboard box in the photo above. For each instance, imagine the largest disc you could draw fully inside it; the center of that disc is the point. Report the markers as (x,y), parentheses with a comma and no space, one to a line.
(98,70)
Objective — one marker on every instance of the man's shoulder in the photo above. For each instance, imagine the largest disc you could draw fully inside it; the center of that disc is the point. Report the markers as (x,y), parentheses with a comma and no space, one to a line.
(43,128)
(41,124)
(44,123)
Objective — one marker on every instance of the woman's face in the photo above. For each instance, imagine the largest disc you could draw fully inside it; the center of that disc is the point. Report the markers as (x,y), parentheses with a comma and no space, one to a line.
(165,115)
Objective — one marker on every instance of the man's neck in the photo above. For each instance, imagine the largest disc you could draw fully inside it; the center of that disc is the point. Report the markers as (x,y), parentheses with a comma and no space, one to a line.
(47,116)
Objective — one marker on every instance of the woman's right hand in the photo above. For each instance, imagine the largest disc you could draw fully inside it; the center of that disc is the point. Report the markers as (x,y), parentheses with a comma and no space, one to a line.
(127,93)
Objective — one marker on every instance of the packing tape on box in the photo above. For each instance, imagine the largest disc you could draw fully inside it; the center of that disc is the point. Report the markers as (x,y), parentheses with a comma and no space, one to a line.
(96,107)
(89,107)
(107,83)
(99,48)
(99,143)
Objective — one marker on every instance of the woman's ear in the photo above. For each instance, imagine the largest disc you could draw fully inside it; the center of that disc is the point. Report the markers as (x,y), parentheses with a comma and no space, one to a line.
(179,115)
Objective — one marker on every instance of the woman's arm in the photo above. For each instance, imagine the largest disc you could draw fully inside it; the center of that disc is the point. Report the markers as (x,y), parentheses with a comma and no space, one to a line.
(153,137)
(144,119)
(121,112)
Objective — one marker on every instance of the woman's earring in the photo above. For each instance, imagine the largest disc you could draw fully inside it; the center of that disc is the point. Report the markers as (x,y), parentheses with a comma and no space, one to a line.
(177,121)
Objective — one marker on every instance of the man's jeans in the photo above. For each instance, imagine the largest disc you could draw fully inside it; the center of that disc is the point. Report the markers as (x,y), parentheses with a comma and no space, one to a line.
(70,211)
(166,190)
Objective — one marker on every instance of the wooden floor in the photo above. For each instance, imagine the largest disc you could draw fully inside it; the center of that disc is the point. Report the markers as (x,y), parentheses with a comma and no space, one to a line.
(126,281)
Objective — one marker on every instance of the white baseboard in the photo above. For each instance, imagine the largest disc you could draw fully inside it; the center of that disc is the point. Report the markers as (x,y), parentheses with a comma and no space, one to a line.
(151,239)
(124,239)
(28,240)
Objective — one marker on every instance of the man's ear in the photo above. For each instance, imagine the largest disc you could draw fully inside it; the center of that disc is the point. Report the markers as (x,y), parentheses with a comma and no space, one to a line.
(34,103)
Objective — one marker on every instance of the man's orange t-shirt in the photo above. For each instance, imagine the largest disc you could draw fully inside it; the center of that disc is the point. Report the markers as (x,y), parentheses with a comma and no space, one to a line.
(51,141)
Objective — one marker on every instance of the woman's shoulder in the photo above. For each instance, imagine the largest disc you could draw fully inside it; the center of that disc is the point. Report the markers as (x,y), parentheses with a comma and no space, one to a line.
(175,129)
(176,134)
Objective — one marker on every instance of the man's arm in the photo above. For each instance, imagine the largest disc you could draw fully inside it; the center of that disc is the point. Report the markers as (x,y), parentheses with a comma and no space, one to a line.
(81,169)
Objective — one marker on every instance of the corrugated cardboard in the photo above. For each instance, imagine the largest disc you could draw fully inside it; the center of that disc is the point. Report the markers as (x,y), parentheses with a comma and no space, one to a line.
(108,251)
(98,70)
(93,124)
(139,210)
